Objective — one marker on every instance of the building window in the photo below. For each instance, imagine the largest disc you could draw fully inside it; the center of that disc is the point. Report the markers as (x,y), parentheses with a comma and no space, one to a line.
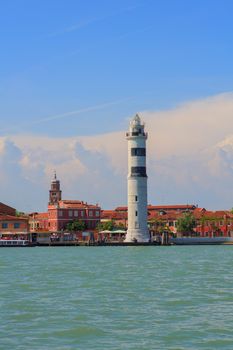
(16,225)
(4,225)
(76,213)
(70,213)
(97,213)
(82,213)
(60,213)
(90,213)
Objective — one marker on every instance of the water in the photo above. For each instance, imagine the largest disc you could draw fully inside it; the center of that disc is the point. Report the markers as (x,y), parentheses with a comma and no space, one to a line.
(135,298)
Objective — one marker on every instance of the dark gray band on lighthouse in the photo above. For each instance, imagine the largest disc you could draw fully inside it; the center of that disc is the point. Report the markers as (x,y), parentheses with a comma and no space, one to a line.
(141,152)
(138,171)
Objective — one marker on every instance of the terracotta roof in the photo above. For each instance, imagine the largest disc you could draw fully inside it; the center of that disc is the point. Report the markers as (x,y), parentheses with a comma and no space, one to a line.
(41,216)
(4,217)
(6,209)
(75,204)
(111,214)
(174,215)
(121,209)
(170,207)
(163,207)
(219,214)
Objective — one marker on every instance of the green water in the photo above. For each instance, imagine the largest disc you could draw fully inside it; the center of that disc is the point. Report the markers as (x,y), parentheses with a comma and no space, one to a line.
(116,298)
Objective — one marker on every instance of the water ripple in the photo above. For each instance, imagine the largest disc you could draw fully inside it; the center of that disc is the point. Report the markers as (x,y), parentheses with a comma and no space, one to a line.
(173,298)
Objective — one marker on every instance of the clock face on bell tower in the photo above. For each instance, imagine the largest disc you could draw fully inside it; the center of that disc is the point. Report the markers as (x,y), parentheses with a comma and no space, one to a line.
(55,191)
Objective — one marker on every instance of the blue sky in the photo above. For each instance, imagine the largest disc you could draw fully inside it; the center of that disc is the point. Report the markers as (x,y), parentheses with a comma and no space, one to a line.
(64,56)
(76,68)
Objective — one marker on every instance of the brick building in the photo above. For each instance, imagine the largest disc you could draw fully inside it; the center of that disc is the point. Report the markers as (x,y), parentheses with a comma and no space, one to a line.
(208,223)
(171,212)
(66,211)
(62,212)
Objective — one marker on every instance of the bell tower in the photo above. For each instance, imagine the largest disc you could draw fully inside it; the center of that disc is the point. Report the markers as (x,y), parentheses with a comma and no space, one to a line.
(55,191)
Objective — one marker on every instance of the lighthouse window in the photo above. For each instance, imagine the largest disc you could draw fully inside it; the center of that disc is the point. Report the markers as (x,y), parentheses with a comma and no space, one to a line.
(136,213)
(138,171)
(136,198)
(141,152)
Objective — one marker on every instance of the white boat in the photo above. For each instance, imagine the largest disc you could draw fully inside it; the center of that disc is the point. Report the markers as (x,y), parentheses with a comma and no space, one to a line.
(14,243)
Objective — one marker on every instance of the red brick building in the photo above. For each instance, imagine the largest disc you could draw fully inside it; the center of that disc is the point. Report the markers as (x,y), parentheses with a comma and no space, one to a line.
(171,212)
(66,211)
(208,223)
(62,212)
(120,218)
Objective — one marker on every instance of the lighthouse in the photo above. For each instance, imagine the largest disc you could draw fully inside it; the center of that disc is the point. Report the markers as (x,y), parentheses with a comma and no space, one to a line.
(137,183)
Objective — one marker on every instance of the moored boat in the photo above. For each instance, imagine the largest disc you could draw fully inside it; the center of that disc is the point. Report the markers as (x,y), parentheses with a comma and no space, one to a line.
(201,240)
(14,243)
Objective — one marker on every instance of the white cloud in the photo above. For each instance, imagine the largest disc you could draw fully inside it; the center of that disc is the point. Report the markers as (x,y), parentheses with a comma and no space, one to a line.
(190,159)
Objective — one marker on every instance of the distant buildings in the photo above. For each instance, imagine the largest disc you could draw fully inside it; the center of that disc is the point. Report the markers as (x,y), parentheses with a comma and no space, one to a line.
(62,212)
(10,223)
(165,217)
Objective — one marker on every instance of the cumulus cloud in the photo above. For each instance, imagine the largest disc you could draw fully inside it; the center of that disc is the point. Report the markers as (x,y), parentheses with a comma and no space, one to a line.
(190,154)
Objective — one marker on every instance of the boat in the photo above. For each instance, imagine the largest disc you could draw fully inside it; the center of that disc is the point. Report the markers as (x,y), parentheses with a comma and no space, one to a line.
(201,240)
(15,243)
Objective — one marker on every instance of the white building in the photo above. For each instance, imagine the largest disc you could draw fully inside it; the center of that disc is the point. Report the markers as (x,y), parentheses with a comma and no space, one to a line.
(137,183)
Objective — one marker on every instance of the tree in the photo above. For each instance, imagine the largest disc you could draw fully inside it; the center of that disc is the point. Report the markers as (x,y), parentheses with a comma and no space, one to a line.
(76,225)
(186,223)
(19,213)
(106,226)
(158,225)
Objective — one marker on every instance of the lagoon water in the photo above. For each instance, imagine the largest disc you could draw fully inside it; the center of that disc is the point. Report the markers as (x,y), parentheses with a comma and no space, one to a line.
(137,298)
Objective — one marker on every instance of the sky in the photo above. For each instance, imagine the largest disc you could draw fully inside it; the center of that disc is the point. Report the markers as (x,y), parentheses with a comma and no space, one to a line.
(72,75)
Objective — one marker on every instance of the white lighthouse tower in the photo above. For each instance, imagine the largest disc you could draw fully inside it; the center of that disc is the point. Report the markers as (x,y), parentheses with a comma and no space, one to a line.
(137,183)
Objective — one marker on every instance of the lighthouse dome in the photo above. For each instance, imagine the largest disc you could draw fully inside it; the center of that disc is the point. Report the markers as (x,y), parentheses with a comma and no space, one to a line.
(136,120)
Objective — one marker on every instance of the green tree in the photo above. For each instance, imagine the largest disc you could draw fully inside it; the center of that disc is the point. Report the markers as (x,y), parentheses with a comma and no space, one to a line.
(106,226)
(19,213)
(186,223)
(76,225)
